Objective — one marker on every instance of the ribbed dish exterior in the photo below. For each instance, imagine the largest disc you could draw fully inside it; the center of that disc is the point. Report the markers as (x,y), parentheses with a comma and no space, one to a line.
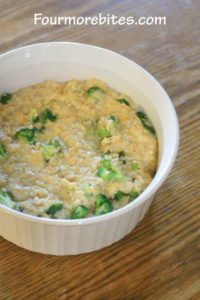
(69,240)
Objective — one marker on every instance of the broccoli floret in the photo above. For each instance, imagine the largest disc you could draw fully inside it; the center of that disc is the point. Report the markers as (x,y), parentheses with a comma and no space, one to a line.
(43,117)
(3,152)
(50,149)
(107,172)
(133,195)
(34,116)
(121,154)
(91,91)
(103,173)
(95,93)
(119,195)
(122,157)
(146,122)
(123,101)
(102,205)
(53,209)
(106,163)
(104,133)
(5,199)
(113,119)
(106,126)
(47,115)
(5,98)
(135,166)
(28,134)
(79,212)
(116,175)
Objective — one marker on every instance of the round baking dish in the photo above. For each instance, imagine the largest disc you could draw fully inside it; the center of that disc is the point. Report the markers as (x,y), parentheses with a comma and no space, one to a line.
(62,61)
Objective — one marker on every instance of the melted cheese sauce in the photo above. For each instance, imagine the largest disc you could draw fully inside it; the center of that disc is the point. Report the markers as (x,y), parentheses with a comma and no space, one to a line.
(87,135)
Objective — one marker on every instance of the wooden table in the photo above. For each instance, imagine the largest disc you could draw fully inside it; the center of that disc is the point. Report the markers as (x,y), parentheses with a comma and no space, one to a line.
(160,260)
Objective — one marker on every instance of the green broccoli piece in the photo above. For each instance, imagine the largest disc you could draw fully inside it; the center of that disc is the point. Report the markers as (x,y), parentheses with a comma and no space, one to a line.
(115,175)
(34,116)
(103,173)
(133,195)
(51,149)
(53,209)
(95,93)
(104,133)
(122,157)
(48,151)
(145,121)
(47,115)
(79,212)
(135,166)
(121,154)
(3,152)
(91,91)
(110,123)
(5,98)
(103,129)
(123,101)
(119,195)
(113,119)
(43,117)
(107,172)
(106,163)
(28,134)
(102,205)
(5,199)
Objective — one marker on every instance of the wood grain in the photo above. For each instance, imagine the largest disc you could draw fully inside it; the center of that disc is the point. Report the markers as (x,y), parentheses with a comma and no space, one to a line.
(160,260)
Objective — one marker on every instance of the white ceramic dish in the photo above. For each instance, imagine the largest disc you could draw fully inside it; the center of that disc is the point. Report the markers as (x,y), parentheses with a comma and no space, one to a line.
(60,62)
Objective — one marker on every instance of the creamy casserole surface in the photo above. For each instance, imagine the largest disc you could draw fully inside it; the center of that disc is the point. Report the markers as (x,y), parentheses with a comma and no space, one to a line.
(73,149)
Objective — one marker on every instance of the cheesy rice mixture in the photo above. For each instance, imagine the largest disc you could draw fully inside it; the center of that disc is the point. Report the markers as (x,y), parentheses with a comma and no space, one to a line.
(73,150)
